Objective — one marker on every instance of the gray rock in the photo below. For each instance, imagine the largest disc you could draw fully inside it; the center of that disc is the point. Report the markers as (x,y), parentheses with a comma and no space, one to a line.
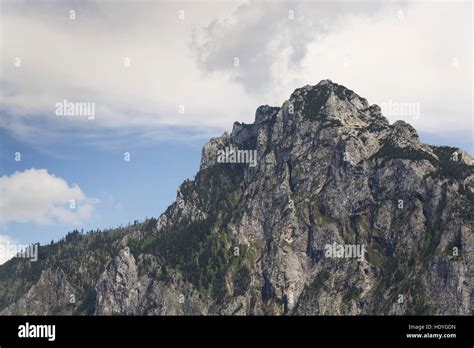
(243,240)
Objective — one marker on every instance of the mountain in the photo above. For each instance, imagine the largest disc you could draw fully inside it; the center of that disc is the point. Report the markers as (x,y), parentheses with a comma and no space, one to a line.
(321,206)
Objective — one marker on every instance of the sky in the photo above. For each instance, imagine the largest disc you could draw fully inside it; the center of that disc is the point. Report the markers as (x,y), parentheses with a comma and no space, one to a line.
(160,78)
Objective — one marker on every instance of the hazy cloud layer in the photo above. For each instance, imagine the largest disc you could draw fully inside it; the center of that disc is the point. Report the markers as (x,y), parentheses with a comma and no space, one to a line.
(181,71)
(37,196)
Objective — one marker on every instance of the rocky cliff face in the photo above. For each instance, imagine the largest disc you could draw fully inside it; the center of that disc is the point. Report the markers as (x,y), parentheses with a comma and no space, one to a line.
(342,213)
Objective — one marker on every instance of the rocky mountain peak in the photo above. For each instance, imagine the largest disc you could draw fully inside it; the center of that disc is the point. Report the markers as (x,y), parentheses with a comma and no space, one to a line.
(256,231)
(327,94)
(326,113)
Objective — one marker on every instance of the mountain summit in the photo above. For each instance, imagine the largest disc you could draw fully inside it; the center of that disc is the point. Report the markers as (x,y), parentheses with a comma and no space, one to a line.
(340,213)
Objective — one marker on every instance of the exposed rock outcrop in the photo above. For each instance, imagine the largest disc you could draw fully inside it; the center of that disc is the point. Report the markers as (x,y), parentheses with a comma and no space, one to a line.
(331,172)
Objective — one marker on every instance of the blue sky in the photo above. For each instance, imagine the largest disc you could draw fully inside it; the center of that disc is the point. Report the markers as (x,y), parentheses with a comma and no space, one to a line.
(164,77)
(142,187)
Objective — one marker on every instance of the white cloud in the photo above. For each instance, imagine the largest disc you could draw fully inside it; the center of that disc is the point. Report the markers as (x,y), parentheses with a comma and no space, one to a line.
(376,50)
(37,196)
(264,35)
(83,60)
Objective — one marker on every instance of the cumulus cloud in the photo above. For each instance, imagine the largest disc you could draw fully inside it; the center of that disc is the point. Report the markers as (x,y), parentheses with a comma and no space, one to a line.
(36,196)
(264,35)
